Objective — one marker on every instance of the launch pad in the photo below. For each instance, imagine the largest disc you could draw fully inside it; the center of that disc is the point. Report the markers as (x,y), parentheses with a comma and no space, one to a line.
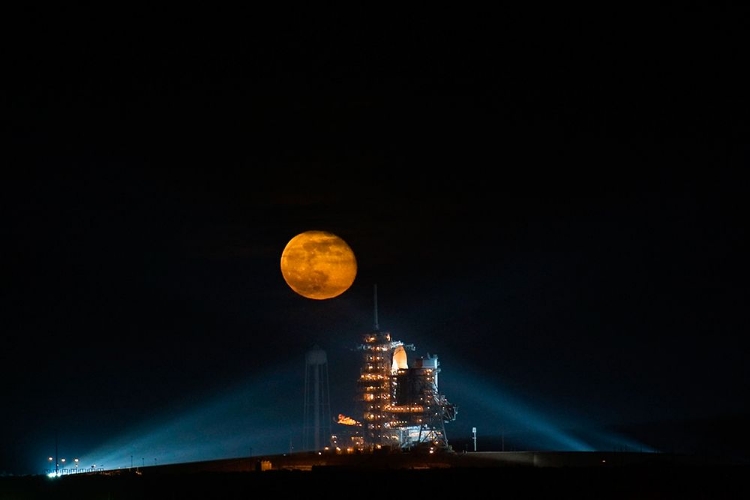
(401,406)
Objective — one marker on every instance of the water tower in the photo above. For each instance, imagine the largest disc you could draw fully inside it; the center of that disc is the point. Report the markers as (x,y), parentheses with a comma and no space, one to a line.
(316,429)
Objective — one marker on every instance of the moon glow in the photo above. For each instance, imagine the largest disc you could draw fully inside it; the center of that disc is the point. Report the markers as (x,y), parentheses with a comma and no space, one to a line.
(318,265)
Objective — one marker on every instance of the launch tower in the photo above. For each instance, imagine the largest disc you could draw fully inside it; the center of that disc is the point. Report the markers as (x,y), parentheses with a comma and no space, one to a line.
(401,405)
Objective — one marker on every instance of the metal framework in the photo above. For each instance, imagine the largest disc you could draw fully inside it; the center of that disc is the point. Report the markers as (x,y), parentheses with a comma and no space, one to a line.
(401,406)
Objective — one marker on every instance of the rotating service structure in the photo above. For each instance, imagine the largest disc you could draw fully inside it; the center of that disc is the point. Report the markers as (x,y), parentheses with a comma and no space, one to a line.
(401,405)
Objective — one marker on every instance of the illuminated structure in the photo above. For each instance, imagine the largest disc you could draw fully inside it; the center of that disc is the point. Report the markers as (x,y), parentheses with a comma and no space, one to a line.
(316,430)
(402,408)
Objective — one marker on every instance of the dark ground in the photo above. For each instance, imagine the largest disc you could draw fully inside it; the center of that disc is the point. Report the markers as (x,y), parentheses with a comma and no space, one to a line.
(521,482)
(618,475)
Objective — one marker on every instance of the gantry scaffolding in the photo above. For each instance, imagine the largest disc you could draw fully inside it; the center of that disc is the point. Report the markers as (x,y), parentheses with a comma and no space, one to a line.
(401,406)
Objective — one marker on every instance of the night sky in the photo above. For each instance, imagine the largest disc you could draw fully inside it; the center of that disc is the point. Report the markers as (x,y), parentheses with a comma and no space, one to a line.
(555,209)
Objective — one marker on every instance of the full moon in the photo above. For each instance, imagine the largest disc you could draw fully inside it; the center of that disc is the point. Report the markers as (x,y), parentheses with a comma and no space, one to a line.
(318,265)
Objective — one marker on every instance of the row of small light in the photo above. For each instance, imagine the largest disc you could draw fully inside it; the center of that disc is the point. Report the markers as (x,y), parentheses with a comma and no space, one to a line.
(62,463)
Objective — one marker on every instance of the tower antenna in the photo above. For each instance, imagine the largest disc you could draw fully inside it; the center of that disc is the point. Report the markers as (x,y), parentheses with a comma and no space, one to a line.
(375,293)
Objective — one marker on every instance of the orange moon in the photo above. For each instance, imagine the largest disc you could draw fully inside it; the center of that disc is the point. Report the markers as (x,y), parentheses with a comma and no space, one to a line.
(318,265)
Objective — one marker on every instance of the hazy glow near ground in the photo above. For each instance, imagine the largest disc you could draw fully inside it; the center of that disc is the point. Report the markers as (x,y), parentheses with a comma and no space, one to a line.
(242,421)
(550,429)
(237,423)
